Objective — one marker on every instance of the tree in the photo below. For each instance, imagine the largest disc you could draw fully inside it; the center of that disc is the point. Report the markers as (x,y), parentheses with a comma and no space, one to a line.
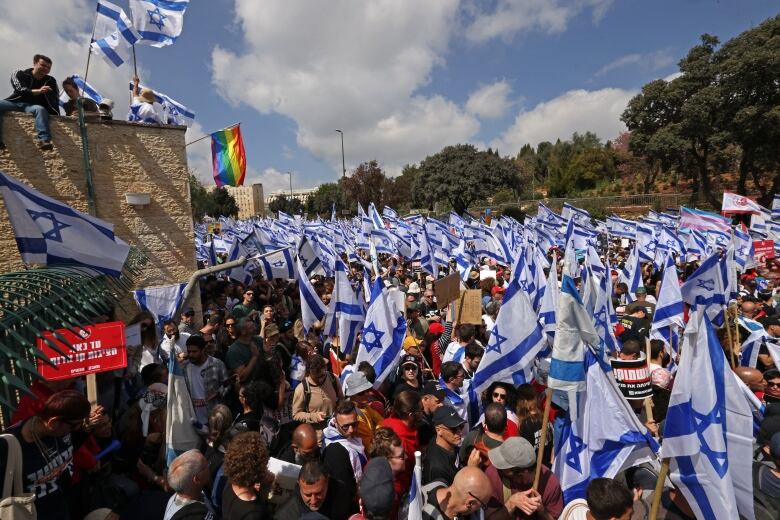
(365,185)
(282,203)
(461,175)
(400,192)
(321,201)
(213,203)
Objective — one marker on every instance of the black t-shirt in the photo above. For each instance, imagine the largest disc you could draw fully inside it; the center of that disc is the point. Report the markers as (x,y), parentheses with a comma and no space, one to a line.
(342,479)
(635,328)
(425,430)
(233,508)
(439,464)
(403,386)
(47,475)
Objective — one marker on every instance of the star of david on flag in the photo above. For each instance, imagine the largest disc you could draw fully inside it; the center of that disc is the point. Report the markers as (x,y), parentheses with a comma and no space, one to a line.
(159,22)
(49,232)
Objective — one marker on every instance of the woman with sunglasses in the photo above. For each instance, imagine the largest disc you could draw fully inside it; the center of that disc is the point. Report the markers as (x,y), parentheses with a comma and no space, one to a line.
(505,395)
(409,374)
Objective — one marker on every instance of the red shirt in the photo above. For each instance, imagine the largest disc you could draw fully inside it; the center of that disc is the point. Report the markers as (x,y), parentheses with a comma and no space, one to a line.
(410,444)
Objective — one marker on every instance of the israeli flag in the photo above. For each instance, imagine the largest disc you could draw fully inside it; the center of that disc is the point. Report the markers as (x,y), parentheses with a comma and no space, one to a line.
(49,232)
(243,274)
(602,315)
(574,329)
(514,342)
(708,435)
(159,21)
(180,435)
(349,311)
(173,112)
(114,34)
(757,336)
(309,259)
(414,500)
(620,227)
(646,243)
(86,90)
(162,301)
(604,440)
(383,333)
(463,261)
(278,264)
(383,241)
(743,249)
(312,307)
(706,288)
(548,304)
(631,275)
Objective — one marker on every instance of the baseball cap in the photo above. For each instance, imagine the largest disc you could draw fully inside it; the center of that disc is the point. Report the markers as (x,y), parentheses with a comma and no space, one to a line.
(631,308)
(376,486)
(515,452)
(640,290)
(287,325)
(357,382)
(435,389)
(409,359)
(447,416)
(414,288)
(770,320)
(412,306)
(271,330)
(436,328)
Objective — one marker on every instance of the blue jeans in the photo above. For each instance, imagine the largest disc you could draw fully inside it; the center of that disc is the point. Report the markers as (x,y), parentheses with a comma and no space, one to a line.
(41,116)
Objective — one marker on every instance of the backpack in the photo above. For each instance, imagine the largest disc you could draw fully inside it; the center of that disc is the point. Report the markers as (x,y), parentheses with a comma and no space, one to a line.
(307,390)
(765,506)
(429,510)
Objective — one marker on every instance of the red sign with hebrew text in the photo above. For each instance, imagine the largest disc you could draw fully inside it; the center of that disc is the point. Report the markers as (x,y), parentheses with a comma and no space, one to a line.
(97,348)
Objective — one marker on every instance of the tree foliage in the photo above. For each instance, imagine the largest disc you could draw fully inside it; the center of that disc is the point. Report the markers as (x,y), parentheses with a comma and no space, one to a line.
(287,205)
(462,174)
(723,109)
(321,201)
(213,203)
(366,184)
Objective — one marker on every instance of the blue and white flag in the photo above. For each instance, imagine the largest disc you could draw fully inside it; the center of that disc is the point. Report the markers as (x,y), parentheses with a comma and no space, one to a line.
(49,232)
(757,336)
(776,207)
(514,342)
(414,500)
(604,440)
(243,273)
(173,112)
(548,304)
(85,89)
(574,329)
(706,288)
(383,333)
(312,307)
(114,34)
(620,227)
(669,309)
(708,435)
(162,301)
(180,434)
(158,21)
(631,275)
(278,265)
(743,249)
(602,315)
(309,259)
(349,311)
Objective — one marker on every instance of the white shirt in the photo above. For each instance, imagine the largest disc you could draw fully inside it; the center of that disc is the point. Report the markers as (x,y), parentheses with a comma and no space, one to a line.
(149,356)
(198,390)
(575,510)
(175,503)
(179,346)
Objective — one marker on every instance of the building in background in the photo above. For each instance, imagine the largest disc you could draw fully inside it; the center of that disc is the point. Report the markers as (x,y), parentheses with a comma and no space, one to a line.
(301,195)
(249,200)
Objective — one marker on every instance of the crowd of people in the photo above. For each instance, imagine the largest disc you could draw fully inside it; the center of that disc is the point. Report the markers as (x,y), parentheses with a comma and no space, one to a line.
(267,394)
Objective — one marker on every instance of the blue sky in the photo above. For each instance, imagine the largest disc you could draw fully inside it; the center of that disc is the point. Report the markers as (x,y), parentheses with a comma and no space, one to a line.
(402,78)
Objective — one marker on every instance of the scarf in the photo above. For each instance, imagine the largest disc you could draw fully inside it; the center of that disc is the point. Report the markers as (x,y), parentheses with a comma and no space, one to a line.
(154,398)
(354,447)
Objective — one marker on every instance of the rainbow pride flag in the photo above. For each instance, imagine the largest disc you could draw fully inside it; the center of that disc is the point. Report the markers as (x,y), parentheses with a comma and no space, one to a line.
(227,157)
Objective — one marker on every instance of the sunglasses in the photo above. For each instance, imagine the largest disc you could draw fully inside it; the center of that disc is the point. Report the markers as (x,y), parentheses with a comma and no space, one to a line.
(499,395)
(410,368)
(349,426)
(230,324)
(770,383)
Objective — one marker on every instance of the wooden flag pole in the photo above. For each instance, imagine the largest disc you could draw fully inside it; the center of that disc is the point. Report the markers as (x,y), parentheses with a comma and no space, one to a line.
(89,51)
(659,489)
(543,437)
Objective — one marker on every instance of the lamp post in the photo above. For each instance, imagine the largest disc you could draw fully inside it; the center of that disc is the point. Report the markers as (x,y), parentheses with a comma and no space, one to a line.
(291,192)
(343,167)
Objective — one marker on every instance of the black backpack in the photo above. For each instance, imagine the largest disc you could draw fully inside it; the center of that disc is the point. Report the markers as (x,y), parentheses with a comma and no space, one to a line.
(765,506)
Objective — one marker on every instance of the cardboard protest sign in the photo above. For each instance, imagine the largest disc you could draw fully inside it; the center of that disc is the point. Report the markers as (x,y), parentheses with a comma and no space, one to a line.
(633,377)
(469,307)
(447,290)
(97,348)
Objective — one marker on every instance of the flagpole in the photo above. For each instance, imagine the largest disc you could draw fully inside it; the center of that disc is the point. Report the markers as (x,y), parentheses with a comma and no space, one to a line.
(135,66)
(659,489)
(89,50)
(543,438)
(209,135)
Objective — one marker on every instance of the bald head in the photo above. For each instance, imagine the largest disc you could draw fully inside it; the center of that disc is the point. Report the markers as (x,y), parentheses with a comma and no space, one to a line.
(748,309)
(304,443)
(471,480)
(753,378)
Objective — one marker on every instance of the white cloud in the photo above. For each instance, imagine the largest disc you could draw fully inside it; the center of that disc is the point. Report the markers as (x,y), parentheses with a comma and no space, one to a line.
(511,17)
(650,61)
(356,66)
(271,179)
(673,76)
(597,111)
(490,101)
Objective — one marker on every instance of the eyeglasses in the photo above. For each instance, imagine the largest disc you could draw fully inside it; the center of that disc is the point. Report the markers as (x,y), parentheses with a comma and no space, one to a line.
(248,293)
(410,368)
(498,395)
(482,505)
(230,324)
(770,383)
(349,426)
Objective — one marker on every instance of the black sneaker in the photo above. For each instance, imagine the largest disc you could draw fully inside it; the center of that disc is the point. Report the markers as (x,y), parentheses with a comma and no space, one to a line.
(44,145)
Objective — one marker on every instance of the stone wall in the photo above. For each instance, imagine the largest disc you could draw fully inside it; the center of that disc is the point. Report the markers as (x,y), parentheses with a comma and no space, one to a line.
(125,158)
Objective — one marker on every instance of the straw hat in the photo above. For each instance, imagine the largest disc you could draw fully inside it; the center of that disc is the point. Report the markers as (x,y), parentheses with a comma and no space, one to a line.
(147,95)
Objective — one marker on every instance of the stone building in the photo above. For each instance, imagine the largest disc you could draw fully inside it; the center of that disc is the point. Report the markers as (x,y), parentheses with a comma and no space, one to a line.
(126,158)
(249,200)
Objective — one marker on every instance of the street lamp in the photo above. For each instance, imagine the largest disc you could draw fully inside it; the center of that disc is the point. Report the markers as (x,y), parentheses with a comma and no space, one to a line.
(343,167)
(291,192)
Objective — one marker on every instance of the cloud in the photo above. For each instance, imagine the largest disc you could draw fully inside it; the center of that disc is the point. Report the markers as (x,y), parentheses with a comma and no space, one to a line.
(651,61)
(597,111)
(511,17)
(356,66)
(271,179)
(490,101)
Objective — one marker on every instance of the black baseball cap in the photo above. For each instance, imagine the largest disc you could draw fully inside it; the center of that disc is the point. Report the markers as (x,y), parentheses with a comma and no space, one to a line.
(447,416)
(435,389)
(409,359)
